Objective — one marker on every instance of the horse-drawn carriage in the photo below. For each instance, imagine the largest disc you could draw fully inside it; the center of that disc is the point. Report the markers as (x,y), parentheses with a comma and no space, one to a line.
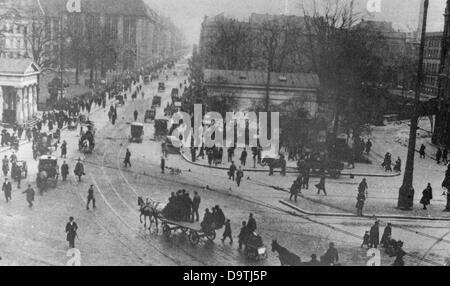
(333,168)
(48,173)
(194,234)
(42,144)
(72,123)
(86,144)
(161,127)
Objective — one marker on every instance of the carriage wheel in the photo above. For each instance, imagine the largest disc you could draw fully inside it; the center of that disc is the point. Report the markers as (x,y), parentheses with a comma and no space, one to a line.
(166,231)
(211,236)
(194,238)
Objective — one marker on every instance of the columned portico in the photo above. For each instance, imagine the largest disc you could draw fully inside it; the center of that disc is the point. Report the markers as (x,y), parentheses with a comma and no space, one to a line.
(18,81)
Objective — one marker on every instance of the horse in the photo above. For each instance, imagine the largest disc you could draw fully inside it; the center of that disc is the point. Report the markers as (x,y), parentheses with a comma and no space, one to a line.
(152,210)
(286,257)
(275,164)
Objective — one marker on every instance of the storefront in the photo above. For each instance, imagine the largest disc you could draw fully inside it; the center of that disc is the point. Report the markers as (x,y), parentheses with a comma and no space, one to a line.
(18,90)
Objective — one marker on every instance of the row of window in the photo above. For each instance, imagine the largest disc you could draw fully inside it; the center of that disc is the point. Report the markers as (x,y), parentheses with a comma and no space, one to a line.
(431,67)
(432,53)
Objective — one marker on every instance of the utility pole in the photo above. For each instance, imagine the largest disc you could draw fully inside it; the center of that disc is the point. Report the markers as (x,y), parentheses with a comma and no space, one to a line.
(406,192)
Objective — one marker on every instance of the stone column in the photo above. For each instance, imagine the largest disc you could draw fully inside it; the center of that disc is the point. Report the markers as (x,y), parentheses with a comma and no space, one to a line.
(18,101)
(34,103)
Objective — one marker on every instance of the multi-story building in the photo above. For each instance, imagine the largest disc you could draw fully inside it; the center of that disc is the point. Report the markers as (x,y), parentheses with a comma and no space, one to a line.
(431,62)
(140,34)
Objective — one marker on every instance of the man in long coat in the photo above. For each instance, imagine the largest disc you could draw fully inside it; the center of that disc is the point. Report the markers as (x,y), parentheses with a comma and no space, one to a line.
(374,235)
(71,231)
(7,188)
(30,196)
(79,170)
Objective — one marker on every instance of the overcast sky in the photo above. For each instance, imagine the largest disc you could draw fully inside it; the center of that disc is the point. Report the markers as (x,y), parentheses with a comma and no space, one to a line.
(188,14)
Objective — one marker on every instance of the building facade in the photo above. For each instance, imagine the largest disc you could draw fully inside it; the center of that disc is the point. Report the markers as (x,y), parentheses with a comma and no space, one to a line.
(431,61)
(18,90)
(249,88)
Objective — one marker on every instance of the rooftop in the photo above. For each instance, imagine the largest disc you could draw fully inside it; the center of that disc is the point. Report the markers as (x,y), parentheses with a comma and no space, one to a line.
(18,66)
(259,78)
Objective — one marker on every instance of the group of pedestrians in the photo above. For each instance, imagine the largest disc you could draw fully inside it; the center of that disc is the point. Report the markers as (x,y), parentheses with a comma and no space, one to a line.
(441,154)
(235,174)
(181,207)
(394,248)
(302,182)
(387,163)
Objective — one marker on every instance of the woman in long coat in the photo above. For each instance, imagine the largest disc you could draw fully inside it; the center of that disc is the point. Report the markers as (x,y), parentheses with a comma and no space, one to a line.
(427,196)
(374,235)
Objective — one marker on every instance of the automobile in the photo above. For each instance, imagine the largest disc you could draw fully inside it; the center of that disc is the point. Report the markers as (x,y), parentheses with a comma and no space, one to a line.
(156,101)
(137,132)
(175,92)
(150,115)
(161,87)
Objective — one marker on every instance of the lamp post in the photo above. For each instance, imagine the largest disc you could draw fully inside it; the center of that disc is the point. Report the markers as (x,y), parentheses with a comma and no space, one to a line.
(406,192)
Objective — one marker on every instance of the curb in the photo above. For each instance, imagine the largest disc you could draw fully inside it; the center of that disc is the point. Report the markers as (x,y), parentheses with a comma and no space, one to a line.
(365,216)
(288,172)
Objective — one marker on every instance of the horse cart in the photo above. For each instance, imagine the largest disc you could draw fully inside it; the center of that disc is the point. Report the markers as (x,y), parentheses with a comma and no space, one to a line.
(193,234)
(86,144)
(156,102)
(48,173)
(333,168)
(42,144)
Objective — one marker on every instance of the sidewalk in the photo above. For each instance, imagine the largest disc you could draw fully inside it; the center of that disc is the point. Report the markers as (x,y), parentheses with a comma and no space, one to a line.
(360,171)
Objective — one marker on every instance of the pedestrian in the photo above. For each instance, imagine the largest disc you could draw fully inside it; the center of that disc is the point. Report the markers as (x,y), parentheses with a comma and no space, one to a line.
(363,187)
(331,257)
(360,200)
(64,171)
(368,146)
(64,149)
(30,196)
(305,182)
(399,255)
(19,175)
(374,235)
(232,171)
(243,157)
(422,151)
(239,176)
(439,155)
(195,206)
(7,189)
(387,234)
(321,185)
(127,158)
(163,164)
(71,231)
(243,235)
(227,232)
(295,188)
(90,197)
(251,224)
(135,114)
(398,165)
(445,156)
(79,170)
(366,240)
(427,196)
(5,166)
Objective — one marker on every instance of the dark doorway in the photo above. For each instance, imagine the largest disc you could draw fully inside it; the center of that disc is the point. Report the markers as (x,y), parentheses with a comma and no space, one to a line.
(9,104)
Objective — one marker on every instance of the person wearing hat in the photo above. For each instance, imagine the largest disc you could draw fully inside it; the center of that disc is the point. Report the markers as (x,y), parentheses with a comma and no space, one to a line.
(7,188)
(400,254)
(79,170)
(330,257)
(71,231)
(386,237)
(30,196)
(374,235)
